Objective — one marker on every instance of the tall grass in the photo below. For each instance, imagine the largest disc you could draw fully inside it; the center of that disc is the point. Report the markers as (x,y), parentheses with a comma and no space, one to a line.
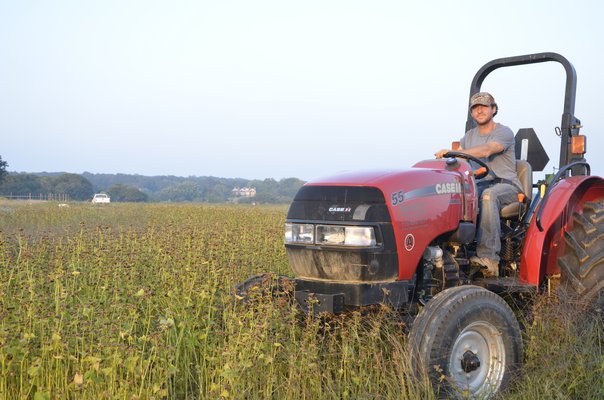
(135,302)
(564,353)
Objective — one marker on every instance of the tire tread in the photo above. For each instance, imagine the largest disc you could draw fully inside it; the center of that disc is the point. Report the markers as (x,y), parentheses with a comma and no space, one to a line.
(582,260)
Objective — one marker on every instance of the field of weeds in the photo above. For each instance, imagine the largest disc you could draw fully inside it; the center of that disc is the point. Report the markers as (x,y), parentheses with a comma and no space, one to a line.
(132,301)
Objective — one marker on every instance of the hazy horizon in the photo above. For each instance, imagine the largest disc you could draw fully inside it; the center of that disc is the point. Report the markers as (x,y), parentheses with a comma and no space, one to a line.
(272,89)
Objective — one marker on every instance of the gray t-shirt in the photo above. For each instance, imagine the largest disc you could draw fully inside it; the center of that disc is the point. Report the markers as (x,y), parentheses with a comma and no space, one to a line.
(502,165)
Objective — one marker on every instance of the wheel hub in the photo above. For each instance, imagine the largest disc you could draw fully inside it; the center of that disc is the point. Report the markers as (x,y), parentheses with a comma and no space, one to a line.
(477,361)
(470,362)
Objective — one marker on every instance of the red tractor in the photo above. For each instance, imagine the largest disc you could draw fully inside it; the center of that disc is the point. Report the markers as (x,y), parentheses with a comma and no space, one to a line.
(404,238)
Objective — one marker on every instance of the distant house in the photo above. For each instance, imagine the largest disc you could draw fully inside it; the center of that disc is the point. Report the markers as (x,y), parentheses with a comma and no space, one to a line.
(244,192)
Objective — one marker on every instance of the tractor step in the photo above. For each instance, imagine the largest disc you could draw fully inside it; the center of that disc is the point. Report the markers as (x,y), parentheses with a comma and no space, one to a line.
(508,285)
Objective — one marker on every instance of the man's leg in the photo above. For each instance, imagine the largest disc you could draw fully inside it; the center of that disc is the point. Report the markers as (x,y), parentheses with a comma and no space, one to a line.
(489,229)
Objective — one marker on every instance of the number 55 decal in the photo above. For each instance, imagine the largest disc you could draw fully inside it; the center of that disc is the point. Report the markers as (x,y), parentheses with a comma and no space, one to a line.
(397,197)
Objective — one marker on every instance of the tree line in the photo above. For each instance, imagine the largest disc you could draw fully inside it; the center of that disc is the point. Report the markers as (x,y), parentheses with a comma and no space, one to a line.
(139,188)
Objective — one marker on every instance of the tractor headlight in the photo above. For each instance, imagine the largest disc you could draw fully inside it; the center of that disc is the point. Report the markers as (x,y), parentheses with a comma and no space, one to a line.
(346,235)
(299,233)
(330,235)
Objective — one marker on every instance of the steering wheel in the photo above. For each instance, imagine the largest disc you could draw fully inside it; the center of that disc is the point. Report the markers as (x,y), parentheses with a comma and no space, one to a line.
(478,173)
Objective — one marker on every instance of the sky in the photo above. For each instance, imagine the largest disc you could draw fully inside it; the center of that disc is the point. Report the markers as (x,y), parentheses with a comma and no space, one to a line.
(275,89)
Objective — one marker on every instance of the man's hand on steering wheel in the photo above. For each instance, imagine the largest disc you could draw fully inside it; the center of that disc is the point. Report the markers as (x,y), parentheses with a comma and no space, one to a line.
(478,173)
(440,153)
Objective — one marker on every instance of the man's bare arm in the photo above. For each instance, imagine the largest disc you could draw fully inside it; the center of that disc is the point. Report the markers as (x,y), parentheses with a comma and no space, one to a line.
(484,150)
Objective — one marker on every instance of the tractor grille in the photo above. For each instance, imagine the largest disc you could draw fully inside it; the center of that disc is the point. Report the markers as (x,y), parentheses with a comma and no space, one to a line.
(339,203)
(343,205)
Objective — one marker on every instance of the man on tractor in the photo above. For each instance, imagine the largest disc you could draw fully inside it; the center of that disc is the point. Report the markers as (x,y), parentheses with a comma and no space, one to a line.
(493,143)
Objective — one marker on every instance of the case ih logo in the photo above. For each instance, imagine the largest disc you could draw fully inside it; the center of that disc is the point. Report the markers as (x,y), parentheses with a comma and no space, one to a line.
(336,209)
(450,187)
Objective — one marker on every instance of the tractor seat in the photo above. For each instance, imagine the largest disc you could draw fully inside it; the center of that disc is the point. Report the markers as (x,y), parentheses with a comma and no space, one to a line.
(525,175)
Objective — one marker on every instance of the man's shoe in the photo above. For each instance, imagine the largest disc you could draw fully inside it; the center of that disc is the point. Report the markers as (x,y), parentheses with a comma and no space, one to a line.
(489,266)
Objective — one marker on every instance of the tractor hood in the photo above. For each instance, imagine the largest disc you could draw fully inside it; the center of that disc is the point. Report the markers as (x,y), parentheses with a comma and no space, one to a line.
(351,196)
(336,197)
(363,178)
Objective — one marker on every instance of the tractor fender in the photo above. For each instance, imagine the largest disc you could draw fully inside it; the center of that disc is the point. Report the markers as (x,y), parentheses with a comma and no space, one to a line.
(542,248)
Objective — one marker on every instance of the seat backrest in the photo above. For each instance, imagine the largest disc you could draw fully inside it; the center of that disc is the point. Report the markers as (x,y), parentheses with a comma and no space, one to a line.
(524,171)
(525,175)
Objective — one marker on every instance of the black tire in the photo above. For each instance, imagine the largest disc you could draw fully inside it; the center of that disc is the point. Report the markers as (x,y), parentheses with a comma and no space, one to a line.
(582,262)
(468,341)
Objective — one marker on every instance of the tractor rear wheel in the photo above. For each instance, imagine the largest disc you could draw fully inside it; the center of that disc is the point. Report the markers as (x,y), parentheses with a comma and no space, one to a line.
(582,262)
(468,340)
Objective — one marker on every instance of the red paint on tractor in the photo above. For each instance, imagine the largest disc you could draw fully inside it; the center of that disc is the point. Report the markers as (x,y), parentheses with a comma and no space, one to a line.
(425,201)
(541,249)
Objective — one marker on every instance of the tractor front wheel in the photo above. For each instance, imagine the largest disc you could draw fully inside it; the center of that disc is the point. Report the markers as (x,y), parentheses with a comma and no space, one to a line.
(468,341)
(582,262)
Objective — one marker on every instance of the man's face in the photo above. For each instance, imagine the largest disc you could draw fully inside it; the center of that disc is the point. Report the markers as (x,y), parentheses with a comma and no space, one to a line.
(482,114)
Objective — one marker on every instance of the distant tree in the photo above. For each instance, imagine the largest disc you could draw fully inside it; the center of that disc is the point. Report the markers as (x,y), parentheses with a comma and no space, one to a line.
(288,187)
(22,184)
(75,186)
(48,183)
(119,192)
(3,166)
(219,193)
(185,191)
(177,188)
(262,197)
(271,191)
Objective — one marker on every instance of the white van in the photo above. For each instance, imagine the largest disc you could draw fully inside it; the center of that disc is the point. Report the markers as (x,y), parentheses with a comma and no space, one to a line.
(101,198)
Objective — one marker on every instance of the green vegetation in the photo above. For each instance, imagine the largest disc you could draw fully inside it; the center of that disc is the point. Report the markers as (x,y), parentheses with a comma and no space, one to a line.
(138,188)
(123,193)
(134,301)
(72,186)
(3,165)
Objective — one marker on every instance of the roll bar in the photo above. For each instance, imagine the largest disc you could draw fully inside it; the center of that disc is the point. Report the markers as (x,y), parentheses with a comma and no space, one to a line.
(570,124)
